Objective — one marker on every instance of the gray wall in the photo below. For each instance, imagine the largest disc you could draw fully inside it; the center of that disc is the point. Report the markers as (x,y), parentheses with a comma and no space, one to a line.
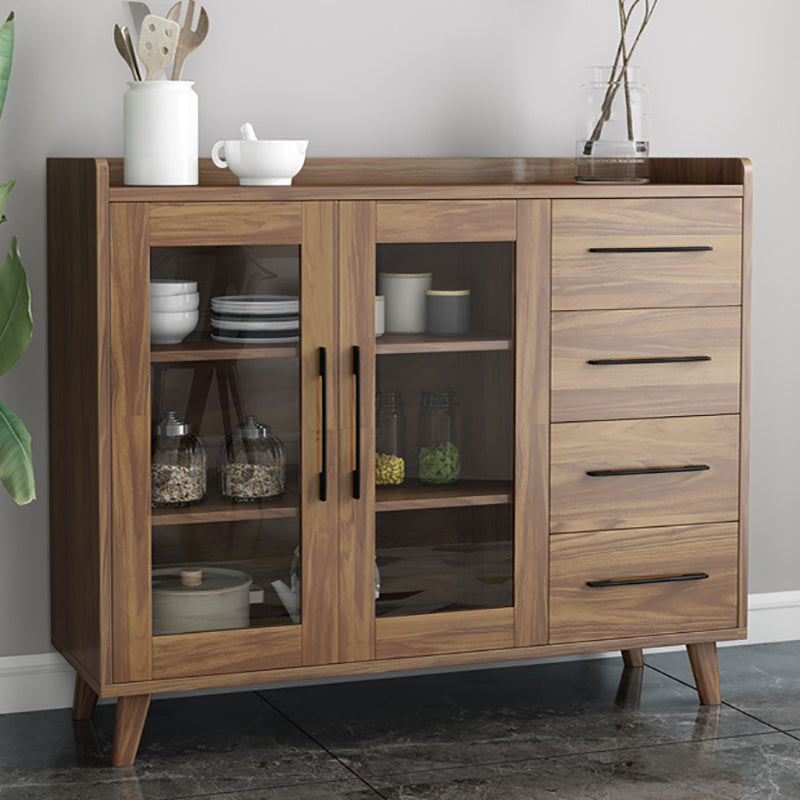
(423,78)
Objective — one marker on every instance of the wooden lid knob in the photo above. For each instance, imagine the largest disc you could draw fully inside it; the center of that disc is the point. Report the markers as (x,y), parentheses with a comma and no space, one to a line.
(191,577)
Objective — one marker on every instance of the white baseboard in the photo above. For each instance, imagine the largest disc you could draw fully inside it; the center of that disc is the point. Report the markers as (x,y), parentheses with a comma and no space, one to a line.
(45,681)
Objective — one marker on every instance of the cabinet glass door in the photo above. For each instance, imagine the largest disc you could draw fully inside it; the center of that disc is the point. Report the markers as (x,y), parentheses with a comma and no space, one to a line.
(455,545)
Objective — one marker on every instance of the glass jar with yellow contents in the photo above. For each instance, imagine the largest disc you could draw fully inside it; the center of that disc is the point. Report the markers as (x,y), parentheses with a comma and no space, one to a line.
(390,465)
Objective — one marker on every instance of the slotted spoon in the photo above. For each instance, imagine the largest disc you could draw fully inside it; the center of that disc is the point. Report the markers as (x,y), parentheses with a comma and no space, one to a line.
(157,44)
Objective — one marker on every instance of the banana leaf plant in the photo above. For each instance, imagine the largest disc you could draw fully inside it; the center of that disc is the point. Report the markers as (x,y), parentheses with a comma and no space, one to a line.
(16,464)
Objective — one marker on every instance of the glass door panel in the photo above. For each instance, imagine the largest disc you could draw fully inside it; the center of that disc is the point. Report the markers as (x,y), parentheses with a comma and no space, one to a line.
(445,428)
(226,456)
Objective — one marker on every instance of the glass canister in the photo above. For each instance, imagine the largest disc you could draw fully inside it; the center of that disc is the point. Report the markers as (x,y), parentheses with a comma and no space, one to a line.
(439,459)
(613,129)
(390,465)
(177,464)
(253,463)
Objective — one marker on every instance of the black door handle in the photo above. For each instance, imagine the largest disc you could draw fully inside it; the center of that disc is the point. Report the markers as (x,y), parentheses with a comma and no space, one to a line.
(323,373)
(610,473)
(357,470)
(653,360)
(685,249)
(688,576)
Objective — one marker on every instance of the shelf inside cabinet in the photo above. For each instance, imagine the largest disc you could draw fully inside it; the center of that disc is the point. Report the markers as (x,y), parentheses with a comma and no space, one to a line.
(415,495)
(215,351)
(217,509)
(394,343)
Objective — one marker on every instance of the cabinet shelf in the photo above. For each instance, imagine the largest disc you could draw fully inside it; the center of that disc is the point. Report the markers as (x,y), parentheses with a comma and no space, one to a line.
(414,495)
(218,509)
(215,351)
(394,343)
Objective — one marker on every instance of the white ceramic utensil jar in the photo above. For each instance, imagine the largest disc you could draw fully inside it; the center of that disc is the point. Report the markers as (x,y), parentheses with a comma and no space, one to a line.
(161,133)
(405,300)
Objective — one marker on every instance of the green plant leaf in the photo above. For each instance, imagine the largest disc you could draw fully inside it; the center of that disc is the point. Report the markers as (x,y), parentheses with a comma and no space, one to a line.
(6,52)
(5,190)
(16,324)
(16,464)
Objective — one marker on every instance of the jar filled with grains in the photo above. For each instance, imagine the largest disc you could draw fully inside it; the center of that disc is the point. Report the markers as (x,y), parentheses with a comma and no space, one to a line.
(177,465)
(253,463)
(439,459)
(390,466)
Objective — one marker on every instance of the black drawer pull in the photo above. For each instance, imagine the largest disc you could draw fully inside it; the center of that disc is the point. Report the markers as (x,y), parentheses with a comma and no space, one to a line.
(688,576)
(323,373)
(687,249)
(610,473)
(653,360)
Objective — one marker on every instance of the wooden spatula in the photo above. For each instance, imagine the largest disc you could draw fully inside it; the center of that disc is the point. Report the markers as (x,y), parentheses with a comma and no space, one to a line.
(157,44)
(189,39)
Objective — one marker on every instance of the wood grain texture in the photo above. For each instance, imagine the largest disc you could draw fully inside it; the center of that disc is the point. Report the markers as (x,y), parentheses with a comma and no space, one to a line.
(343,173)
(581,612)
(357,516)
(744,419)
(216,508)
(129,720)
(448,632)
(587,280)
(80,530)
(580,502)
(633,659)
(532,412)
(705,668)
(209,350)
(443,661)
(444,221)
(584,391)
(395,343)
(130,422)
(217,652)
(197,224)
(320,545)
(84,699)
(414,495)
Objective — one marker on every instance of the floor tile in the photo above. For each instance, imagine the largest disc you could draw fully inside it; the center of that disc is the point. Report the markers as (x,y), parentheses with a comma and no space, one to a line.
(213,744)
(335,790)
(492,715)
(760,679)
(763,767)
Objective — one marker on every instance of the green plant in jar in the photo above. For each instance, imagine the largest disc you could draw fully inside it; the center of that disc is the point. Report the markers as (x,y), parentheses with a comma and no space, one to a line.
(16,326)
(438,457)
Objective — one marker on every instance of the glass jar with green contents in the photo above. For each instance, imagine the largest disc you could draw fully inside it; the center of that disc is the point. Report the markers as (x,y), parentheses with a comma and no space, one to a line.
(390,466)
(439,459)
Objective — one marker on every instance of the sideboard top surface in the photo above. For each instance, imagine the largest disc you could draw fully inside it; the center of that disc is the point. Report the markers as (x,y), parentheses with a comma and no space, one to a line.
(439,178)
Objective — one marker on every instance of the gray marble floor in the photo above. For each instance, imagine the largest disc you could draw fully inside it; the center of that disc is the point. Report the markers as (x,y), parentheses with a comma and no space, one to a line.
(578,730)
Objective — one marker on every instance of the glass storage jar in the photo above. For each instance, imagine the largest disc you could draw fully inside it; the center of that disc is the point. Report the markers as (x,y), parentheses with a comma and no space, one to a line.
(390,465)
(253,463)
(439,459)
(177,464)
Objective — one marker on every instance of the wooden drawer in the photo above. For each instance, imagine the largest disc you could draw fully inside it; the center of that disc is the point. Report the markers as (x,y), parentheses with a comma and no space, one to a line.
(671,597)
(621,253)
(586,386)
(706,449)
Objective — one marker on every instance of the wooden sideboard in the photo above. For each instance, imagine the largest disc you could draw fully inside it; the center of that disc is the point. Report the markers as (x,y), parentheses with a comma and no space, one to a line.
(602,398)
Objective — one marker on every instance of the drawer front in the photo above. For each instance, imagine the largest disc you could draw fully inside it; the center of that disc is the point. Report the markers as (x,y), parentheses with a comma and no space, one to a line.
(645,582)
(645,363)
(642,253)
(698,482)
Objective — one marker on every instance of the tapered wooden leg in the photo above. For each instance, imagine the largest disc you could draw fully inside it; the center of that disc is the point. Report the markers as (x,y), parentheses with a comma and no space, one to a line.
(84,701)
(128,725)
(633,658)
(703,658)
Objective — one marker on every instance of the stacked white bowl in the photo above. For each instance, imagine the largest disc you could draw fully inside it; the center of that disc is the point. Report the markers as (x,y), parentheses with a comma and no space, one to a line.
(174,310)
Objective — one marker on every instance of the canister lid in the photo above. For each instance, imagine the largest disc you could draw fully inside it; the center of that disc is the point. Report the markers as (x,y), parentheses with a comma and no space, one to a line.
(213,580)
(448,292)
(170,425)
(251,428)
(405,274)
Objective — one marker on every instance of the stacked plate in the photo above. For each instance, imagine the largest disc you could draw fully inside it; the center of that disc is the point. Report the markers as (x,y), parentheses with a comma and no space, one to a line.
(255,318)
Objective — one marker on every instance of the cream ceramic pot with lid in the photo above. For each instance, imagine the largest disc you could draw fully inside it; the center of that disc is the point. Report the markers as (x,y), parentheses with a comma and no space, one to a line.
(189,599)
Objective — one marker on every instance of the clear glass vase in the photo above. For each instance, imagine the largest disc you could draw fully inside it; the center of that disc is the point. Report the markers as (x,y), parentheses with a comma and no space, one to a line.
(613,129)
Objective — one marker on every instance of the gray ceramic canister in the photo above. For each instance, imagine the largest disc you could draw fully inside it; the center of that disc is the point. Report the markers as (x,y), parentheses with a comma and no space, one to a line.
(447,312)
